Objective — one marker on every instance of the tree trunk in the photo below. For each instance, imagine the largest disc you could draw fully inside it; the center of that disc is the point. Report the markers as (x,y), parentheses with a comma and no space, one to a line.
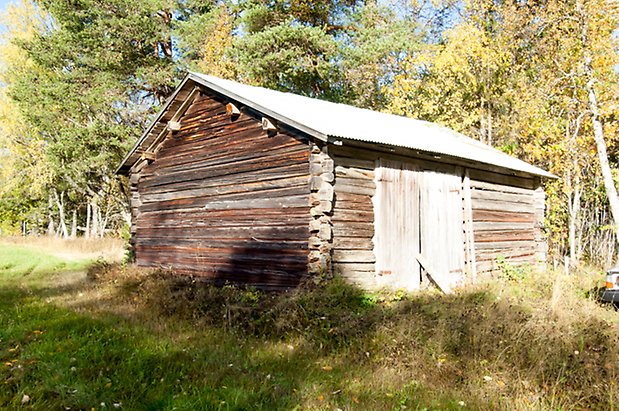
(50,216)
(74,225)
(60,206)
(94,226)
(598,129)
(87,231)
(102,223)
(573,217)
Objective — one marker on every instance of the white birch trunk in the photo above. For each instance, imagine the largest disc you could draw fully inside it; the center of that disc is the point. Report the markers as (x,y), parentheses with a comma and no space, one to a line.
(61,217)
(598,129)
(50,216)
(94,225)
(74,225)
(87,231)
(574,217)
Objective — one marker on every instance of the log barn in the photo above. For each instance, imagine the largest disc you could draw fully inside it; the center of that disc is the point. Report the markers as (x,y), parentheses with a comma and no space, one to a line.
(237,183)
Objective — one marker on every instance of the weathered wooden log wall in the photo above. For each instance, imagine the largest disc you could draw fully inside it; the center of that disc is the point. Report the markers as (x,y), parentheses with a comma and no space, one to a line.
(506,220)
(321,202)
(216,195)
(353,218)
(224,200)
(502,216)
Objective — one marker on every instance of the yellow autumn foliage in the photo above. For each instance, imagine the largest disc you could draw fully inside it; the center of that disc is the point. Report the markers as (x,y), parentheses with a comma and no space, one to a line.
(512,75)
(454,83)
(22,161)
(217,41)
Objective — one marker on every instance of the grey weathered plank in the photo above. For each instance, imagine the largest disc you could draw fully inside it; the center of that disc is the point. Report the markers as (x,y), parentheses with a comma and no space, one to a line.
(354,256)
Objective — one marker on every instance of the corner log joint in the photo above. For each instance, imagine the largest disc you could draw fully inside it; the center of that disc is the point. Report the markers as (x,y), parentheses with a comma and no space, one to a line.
(321,209)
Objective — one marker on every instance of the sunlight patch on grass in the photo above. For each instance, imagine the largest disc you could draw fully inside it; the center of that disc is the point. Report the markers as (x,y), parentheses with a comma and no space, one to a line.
(110,249)
(19,262)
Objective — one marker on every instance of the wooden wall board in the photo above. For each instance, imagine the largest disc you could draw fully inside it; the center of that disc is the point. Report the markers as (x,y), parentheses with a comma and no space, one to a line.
(503,215)
(504,221)
(225,201)
(353,219)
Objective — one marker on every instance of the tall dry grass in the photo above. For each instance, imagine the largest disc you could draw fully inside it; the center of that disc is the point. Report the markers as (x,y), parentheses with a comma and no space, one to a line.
(538,340)
(109,249)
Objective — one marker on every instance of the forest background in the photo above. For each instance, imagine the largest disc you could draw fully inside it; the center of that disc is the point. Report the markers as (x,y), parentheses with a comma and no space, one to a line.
(538,79)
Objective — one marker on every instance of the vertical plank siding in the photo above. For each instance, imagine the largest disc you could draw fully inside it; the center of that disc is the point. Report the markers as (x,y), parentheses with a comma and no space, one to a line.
(398,239)
(225,201)
(442,226)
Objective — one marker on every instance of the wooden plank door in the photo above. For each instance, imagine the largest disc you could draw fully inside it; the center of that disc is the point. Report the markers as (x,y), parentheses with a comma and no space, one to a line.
(442,226)
(396,234)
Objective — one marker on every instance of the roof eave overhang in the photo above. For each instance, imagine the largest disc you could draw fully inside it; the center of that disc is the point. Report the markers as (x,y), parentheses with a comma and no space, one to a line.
(125,164)
(260,108)
(538,172)
(132,157)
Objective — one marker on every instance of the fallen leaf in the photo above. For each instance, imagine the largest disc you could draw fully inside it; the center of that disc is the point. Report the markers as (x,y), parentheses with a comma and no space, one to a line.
(327,368)
(108,385)
(25,399)
(487,378)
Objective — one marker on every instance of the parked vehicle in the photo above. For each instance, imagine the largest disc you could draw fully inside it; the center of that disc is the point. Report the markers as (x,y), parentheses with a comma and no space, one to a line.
(611,292)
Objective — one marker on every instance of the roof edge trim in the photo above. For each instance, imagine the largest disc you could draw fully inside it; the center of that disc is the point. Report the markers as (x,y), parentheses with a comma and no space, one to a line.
(258,107)
(146,132)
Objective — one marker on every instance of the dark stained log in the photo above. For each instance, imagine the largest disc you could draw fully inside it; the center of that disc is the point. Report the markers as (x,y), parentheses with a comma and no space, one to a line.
(235,185)
(283,198)
(225,202)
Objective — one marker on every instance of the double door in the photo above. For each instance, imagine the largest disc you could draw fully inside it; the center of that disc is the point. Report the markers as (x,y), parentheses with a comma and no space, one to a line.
(418,218)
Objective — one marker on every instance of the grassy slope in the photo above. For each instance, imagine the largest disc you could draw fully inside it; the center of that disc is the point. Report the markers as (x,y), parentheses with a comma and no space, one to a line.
(23,262)
(141,341)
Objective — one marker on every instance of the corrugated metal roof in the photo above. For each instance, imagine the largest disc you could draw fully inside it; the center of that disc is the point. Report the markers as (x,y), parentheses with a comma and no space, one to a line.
(327,119)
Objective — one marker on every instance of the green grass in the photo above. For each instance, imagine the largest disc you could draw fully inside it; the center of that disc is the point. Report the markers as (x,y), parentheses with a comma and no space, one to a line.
(21,261)
(126,339)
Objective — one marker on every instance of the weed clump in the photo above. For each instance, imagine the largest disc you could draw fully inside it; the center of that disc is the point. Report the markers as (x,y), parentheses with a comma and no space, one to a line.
(100,269)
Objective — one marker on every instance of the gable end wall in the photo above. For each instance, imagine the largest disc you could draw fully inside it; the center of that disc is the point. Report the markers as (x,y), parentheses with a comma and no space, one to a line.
(224,201)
